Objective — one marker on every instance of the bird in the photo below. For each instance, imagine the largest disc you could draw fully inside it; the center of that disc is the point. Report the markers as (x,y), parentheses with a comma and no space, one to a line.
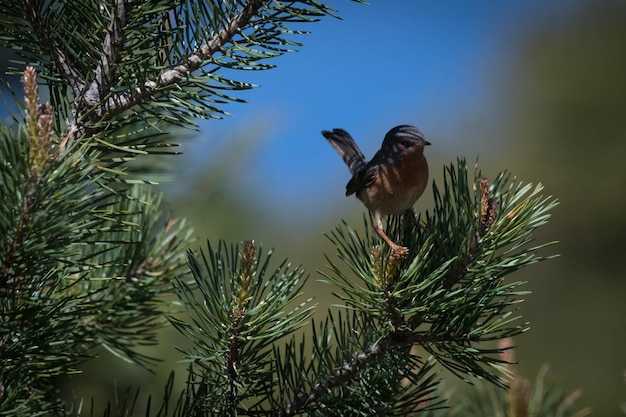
(392,181)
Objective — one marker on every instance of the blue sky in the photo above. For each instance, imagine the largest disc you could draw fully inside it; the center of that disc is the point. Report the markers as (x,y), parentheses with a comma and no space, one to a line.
(434,64)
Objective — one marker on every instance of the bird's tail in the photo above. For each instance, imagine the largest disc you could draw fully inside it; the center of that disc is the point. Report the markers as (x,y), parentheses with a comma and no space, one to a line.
(347,148)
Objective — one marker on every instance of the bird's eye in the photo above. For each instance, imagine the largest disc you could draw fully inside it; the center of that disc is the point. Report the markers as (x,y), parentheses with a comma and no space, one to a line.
(402,144)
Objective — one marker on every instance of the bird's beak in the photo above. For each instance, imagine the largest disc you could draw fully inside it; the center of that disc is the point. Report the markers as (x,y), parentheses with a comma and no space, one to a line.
(426,143)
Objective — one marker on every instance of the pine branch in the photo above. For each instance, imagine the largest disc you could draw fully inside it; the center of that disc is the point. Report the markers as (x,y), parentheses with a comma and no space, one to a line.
(39,137)
(352,369)
(81,266)
(118,103)
(450,295)
(125,78)
(240,316)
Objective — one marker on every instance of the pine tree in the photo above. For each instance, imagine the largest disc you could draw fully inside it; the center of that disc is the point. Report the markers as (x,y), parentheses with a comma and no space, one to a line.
(87,255)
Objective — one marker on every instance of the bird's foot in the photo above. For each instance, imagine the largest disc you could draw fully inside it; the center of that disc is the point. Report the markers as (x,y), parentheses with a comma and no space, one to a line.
(399,253)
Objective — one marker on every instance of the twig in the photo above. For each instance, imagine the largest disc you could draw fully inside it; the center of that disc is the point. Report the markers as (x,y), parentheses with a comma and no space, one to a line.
(105,72)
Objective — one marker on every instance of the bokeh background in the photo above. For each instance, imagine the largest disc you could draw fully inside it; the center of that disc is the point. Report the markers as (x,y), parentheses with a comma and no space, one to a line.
(534,87)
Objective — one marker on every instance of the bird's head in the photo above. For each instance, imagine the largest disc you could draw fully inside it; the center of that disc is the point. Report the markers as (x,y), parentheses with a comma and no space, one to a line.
(404,138)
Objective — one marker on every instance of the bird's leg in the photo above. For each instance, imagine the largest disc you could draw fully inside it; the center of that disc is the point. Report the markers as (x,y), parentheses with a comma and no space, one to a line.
(397,251)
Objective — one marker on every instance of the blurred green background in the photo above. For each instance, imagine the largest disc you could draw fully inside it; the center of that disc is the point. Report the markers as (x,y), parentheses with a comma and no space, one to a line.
(538,89)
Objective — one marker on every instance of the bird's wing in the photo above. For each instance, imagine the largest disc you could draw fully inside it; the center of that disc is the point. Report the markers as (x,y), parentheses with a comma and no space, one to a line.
(363,179)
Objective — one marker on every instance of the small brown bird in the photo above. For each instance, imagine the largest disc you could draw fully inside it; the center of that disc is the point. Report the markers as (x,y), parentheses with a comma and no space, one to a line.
(392,181)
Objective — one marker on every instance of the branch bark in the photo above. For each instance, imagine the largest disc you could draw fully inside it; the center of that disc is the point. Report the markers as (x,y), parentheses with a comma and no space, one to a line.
(351,368)
(105,72)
